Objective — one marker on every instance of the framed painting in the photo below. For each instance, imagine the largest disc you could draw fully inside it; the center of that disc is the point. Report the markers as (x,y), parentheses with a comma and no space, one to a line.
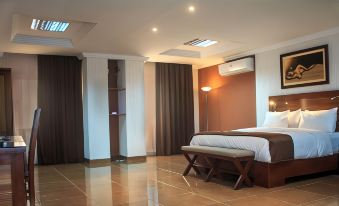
(304,67)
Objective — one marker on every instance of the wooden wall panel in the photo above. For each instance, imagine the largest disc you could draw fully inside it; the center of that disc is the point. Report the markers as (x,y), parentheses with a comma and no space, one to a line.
(231,103)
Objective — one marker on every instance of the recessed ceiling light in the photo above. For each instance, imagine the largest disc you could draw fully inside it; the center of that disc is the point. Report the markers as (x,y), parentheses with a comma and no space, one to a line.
(154,29)
(191,8)
(201,43)
(46,25)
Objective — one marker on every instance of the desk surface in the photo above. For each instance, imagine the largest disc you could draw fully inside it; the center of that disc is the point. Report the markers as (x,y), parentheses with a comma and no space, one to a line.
(15,157)
(19,145)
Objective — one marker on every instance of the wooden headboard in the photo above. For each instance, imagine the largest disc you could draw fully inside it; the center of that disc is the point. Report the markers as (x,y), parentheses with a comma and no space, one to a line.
(306,101)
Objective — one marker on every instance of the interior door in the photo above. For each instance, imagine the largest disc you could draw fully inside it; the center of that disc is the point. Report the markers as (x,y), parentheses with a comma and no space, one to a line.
(6,103)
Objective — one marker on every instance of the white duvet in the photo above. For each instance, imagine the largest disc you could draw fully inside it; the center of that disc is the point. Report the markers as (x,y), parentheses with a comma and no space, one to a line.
(307,143)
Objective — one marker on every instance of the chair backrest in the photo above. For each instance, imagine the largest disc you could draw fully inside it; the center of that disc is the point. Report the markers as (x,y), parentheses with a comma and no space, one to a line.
(33,140)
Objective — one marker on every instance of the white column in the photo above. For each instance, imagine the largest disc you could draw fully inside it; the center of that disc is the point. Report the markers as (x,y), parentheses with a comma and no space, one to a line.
(135,129)
(195,73)
(95,108)
(150,108)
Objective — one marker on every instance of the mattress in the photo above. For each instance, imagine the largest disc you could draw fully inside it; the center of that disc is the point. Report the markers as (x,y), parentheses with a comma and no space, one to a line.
(307,143)
(335,141)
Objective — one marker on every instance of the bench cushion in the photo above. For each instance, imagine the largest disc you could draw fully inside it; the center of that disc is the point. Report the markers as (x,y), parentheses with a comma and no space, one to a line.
(220,151)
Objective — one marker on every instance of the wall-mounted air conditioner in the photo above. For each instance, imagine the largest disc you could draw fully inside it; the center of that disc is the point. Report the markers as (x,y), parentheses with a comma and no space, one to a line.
(237,66)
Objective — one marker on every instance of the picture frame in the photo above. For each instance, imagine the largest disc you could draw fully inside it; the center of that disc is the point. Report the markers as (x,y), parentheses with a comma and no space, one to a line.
(305,67)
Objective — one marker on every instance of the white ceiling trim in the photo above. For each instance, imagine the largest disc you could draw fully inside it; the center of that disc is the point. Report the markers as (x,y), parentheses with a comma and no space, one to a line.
(112,56)
(289,42)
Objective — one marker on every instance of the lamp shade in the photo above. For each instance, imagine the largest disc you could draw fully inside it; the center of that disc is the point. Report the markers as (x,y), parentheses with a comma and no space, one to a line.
(206,89)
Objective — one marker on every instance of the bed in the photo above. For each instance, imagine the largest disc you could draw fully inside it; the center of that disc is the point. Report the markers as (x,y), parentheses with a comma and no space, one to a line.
(314,151)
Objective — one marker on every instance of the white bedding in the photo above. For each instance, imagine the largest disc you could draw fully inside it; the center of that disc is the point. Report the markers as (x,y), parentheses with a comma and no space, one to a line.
(307,143)
(335,141)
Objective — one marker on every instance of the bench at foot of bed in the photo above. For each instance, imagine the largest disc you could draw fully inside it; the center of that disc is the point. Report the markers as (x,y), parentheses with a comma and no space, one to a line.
(241,159)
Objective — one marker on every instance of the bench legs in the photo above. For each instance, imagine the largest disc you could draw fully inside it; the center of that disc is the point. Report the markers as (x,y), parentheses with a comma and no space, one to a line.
(214,168)
(213,164)
(191,164)
(243,173)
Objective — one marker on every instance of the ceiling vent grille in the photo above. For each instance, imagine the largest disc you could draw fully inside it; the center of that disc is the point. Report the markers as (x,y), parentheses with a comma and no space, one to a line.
(44,41)
(201,42)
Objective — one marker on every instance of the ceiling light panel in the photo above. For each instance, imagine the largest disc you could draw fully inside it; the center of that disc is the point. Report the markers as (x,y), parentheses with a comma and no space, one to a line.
(200,42)
(46,25)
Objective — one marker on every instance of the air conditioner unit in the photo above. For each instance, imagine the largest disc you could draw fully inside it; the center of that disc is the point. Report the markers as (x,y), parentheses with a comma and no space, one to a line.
(237,66)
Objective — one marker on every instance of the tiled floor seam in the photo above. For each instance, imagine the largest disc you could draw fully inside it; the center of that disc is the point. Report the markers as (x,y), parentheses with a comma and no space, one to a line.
(306,203)
(311,192)
(83,192)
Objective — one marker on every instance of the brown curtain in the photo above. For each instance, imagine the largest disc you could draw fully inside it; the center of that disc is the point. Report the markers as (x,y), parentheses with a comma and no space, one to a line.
(61,138)
(174,107)
(6,103)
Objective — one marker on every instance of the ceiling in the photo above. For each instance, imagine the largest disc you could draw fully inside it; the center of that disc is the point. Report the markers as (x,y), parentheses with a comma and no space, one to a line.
(125,26)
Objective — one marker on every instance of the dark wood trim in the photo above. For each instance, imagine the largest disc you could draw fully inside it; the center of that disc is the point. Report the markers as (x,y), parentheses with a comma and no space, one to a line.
(137,159)
(327,81)
(275,174)
(113,102)
(9,100)
(97,162)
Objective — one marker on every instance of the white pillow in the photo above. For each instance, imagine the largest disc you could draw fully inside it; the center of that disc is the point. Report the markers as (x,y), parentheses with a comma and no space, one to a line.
(276,119)
(294,118)
(322,120)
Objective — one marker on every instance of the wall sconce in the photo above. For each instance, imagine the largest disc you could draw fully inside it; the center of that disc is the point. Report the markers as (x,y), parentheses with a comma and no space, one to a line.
(272,106)
(206,90)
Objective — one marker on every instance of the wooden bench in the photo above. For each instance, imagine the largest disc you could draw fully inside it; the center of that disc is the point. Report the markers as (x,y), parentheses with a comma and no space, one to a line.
(241,159)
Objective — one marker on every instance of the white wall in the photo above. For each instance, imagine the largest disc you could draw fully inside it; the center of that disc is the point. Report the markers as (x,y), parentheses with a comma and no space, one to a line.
(135,113)
(150,108)
(268,72)
(24,89)
(95,107)
(196,89)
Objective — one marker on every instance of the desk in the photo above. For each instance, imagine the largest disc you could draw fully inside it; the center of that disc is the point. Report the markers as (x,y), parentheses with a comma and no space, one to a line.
(15,157)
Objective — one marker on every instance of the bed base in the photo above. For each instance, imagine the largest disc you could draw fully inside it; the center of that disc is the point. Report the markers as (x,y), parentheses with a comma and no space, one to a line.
(275,174)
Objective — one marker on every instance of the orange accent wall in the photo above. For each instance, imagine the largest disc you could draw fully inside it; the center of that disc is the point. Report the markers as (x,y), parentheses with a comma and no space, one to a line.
(231,102)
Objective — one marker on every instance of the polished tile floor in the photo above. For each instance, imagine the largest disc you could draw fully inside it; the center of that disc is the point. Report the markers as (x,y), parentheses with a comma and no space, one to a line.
(159,182)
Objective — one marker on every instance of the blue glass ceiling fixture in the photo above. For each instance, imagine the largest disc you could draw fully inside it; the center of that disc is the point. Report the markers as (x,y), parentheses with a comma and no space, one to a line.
(46,25)
(201,43)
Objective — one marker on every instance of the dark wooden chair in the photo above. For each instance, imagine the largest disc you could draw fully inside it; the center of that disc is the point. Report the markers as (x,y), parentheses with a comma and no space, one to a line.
(29,167)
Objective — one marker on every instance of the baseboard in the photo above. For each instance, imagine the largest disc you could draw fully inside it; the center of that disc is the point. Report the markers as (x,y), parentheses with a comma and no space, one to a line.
(98,162)
(138,159)
(151,153)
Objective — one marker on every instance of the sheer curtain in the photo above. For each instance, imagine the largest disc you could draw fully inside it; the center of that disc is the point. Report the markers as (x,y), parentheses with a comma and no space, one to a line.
(174,107)
(60,138)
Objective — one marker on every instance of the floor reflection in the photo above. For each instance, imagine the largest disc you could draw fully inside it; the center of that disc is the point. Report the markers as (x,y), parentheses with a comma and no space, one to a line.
(159,182)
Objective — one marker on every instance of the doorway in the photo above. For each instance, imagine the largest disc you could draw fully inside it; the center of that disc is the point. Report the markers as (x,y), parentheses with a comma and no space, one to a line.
(6,103)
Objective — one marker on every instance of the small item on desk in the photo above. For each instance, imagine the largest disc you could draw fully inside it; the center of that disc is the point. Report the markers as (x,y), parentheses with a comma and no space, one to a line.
(6,142)
(5,138)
